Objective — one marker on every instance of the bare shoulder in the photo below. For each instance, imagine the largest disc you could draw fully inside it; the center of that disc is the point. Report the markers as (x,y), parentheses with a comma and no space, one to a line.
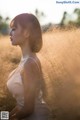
(31,70)
(33,63)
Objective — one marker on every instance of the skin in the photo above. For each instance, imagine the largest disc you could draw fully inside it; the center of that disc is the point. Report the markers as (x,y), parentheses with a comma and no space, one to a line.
(30,74)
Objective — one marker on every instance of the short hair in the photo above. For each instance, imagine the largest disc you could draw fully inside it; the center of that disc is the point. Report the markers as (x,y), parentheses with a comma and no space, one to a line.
(29,21)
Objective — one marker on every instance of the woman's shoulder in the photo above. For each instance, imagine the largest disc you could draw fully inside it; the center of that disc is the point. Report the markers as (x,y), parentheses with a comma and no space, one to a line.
(33,61)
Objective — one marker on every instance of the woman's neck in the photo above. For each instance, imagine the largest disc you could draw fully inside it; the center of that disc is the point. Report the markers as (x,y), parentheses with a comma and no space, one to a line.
(26,51)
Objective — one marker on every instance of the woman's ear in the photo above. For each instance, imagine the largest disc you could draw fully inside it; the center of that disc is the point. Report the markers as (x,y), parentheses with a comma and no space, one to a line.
(26,34)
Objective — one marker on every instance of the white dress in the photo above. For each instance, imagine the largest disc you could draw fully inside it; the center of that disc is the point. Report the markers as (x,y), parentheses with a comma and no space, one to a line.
(15,86)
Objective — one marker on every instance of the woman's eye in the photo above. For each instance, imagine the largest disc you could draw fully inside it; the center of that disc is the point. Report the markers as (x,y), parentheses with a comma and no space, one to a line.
(13,29)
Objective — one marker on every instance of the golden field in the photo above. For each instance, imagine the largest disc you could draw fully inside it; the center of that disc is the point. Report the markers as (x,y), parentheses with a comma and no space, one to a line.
(60,61)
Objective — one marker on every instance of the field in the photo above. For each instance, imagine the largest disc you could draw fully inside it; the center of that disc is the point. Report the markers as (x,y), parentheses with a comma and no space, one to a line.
(60,61)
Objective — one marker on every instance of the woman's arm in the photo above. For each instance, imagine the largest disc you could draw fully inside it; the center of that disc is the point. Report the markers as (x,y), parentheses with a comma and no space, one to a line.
(30,79)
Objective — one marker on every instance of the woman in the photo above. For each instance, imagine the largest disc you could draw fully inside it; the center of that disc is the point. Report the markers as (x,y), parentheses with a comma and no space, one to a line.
(26,80)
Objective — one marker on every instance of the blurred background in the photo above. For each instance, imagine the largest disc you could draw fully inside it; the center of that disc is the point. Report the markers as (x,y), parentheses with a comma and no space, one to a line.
(59,56)
(50,13)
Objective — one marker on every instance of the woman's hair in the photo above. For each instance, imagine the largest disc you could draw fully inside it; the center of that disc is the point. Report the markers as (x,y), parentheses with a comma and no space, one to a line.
(30,22)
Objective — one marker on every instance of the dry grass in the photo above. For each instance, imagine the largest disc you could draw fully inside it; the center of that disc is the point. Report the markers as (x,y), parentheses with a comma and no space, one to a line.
(60,60)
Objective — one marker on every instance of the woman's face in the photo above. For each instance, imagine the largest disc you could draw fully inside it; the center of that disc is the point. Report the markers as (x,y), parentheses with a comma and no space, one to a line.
(17,35)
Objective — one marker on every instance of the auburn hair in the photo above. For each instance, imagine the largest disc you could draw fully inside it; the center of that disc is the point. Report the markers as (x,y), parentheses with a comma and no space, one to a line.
(30,22)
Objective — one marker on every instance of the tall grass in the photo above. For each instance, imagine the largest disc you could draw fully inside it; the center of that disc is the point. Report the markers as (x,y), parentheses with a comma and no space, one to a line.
(60,60)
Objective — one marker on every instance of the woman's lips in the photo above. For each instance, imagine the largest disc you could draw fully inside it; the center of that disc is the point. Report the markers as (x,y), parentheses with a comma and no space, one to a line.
(11,38)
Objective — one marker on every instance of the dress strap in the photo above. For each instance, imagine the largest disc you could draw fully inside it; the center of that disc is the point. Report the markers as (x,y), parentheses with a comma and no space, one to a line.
(36,63)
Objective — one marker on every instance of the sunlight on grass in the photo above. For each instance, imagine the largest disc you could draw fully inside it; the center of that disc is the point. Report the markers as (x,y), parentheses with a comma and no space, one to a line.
(60,61)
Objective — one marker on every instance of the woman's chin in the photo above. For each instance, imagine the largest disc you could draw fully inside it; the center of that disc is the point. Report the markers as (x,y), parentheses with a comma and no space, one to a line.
(14,44)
